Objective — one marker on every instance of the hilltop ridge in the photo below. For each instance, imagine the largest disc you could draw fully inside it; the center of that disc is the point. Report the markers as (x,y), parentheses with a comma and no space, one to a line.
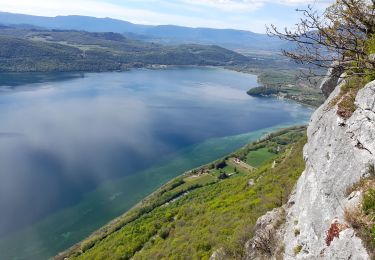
(166,34)
(26,50)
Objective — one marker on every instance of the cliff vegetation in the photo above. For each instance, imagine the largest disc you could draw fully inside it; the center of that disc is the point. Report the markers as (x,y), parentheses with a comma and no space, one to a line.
(212,208)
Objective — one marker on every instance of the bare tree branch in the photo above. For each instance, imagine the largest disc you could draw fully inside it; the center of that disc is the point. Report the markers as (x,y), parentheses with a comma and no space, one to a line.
(337,36)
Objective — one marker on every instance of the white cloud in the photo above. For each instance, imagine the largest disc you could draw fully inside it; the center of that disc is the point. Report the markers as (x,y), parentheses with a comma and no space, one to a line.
(100,9)
(66,7)
(227,5)
(194,13)
(250,5)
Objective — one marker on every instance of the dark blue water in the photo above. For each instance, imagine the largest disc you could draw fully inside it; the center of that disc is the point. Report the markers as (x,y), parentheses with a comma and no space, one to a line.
(67,134)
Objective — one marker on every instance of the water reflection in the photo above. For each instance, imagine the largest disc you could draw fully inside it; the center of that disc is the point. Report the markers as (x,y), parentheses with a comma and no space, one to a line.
(10,81)
(66,137)
(65,147)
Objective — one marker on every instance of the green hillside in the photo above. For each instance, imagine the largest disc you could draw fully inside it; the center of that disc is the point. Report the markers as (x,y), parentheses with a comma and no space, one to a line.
(42,50)
(209,208)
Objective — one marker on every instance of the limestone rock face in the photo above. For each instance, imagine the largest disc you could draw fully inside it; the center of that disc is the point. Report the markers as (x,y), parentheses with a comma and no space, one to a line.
(337,155)
(265,245)
(332,79)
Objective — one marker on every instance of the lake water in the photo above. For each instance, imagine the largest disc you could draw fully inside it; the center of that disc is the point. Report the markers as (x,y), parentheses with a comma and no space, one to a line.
(77,150)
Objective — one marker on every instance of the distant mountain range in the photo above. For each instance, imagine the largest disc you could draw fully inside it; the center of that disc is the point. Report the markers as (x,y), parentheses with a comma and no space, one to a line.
(166,34)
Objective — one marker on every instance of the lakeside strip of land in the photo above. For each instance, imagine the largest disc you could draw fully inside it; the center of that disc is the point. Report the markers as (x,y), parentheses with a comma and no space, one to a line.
(249,165)
(285,82)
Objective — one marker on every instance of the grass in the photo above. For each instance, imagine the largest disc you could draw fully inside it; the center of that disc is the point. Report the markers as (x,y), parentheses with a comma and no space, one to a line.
(345,101)
(371,171)
(242,168)
(368,204)
(258,157)
(83,47)
(288,84)
(202,180)
(297,249)
(362,218)
(214,213)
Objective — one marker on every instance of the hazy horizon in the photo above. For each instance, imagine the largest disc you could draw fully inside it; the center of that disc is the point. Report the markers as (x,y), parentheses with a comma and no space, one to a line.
(249,15)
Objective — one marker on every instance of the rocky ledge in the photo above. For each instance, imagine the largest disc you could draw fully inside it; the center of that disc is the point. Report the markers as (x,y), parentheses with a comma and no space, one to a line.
(337,156)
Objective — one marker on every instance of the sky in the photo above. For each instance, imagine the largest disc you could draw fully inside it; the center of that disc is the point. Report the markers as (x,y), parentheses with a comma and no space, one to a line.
(250,15)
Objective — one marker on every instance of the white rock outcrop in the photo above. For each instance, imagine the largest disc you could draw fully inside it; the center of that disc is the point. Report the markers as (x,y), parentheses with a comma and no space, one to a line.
(337,155)
(333,78)
(267,234)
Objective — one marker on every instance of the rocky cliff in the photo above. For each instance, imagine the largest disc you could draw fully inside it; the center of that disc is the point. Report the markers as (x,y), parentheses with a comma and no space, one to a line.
(337,155)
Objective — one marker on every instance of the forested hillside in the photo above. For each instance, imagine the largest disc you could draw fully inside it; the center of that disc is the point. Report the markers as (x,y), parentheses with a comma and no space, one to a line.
(43,50)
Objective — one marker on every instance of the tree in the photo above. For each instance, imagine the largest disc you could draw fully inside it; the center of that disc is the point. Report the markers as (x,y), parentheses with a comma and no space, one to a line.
(342,36)
(223,176)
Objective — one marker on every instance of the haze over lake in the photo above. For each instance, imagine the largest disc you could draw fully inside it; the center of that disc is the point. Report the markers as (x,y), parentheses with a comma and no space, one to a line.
(77,150)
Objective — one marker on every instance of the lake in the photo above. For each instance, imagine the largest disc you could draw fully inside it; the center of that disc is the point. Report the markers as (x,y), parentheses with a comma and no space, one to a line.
(77,150)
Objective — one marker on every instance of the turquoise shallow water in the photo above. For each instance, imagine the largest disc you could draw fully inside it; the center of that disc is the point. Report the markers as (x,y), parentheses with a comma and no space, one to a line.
(79,151)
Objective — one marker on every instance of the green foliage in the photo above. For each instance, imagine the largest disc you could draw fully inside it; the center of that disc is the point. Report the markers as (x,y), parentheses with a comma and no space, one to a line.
(56,50)
(371,170)
(221,165)
(264,91)
(297,249)
(205,217)
(358,79)
(164,232)
(370,49)
(278,78)
(368,203)
(223,176)
(370,45)
(287,84)
(176,183)
(258,157)
(362,219)
(345,101)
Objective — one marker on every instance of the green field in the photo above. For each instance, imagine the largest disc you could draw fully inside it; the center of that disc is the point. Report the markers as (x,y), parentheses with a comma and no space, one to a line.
(208,208)
(258,157)
(288,84)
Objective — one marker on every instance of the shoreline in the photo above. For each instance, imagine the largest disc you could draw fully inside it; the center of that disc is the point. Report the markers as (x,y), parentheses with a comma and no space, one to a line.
(138,198)
(255,135)
(118,222)
(254,71)
(242,140)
